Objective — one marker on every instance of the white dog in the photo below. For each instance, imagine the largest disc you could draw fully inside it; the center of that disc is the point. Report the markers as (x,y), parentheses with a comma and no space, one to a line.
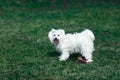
(73,43)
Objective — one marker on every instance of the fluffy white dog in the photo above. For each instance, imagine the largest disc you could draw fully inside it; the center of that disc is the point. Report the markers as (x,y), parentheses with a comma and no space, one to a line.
(73,43)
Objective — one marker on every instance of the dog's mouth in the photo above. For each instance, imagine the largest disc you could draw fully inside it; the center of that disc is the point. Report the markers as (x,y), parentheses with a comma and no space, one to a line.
(56,41)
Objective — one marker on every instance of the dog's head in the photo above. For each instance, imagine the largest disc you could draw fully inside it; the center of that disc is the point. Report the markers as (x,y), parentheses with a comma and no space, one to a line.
(56,36)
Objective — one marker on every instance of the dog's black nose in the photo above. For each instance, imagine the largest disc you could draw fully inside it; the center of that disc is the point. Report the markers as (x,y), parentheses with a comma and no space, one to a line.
(55,39)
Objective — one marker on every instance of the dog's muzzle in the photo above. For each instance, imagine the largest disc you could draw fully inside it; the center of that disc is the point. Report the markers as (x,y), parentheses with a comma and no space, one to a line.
(56,41)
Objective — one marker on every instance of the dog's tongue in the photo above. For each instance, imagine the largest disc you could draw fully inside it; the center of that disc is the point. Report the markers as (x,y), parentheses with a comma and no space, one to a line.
(56,40)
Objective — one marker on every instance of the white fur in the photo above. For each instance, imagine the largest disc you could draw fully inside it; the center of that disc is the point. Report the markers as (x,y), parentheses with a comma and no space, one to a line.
(73,43)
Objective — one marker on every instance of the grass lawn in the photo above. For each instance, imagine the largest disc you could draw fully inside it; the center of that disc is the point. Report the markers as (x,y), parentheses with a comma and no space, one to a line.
(27,54)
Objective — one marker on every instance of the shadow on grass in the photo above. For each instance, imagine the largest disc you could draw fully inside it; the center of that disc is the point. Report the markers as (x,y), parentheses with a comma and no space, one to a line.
(74,57)
(53,54)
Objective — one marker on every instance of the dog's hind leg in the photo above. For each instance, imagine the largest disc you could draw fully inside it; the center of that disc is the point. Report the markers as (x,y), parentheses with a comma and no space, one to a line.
(87,53)
(88,57)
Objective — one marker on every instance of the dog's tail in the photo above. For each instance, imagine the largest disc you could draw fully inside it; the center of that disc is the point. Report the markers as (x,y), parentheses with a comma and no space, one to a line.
(89,34)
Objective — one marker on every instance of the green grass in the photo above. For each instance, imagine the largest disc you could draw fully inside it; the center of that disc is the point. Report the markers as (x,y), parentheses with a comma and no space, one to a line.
(27,54)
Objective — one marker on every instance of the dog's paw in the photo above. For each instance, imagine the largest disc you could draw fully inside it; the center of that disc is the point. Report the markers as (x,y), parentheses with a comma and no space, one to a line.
(59,57)
(62,59)
(88,61)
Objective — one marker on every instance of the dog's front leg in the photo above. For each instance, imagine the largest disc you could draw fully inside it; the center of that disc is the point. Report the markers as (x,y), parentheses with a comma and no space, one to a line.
(64,56)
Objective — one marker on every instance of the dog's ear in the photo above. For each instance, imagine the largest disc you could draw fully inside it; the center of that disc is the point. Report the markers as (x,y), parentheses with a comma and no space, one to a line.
(62,31)
(53,30)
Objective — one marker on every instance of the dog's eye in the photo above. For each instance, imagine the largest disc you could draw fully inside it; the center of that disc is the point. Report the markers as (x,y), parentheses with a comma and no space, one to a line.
(53,35)
(58,35)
